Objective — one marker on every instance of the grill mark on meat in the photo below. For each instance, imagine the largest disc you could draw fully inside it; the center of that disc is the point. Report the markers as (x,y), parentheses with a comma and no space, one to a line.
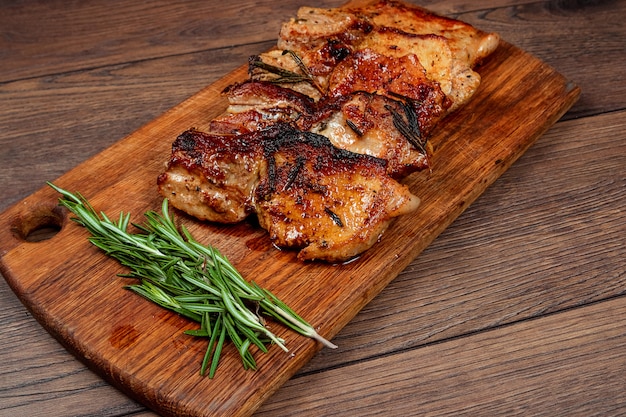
(271,177)
(293,173)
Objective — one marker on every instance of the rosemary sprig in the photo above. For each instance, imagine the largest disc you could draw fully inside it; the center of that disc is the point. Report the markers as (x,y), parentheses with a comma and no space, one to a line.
(284,75)
(196,281)
(409,128)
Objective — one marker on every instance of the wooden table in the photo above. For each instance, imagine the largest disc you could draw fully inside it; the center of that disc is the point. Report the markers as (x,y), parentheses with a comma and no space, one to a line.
(518,308)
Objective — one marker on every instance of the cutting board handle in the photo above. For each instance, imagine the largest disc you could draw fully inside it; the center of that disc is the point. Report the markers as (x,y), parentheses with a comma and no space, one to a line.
(37,218)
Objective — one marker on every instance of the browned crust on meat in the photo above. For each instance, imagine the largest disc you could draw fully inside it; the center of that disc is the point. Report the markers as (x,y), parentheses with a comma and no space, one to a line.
(315,140)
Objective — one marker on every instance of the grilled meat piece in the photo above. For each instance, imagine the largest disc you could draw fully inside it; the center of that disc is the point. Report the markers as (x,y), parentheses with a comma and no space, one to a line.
(330,203)
(447,49)
(359,122)
(390,77)
(467,43)
(256,105)
(212,177)
(378,126)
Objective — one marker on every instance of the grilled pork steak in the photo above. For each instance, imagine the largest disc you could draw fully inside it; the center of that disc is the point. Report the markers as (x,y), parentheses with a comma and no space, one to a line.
(212,177)
(360,122)
(331,203)
(448,49)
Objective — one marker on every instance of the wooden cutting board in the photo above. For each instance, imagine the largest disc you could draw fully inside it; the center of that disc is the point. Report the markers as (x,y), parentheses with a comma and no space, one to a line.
(73,290)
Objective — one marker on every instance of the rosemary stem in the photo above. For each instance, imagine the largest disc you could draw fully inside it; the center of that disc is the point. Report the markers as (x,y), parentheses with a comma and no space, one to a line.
(305,329)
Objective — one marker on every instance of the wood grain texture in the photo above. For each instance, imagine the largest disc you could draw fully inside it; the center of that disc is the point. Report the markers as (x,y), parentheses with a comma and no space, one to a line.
(546,29)
(557,246)
(485,374)
(92,36)
(133,347)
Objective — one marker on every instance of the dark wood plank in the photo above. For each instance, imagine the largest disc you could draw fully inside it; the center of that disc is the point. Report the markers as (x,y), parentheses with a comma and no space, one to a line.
(534,243)
(63,387)
(57,36)
(583,39)
(570,364)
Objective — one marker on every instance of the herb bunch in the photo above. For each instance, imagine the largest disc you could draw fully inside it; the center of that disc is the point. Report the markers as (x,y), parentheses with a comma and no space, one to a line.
(196,281)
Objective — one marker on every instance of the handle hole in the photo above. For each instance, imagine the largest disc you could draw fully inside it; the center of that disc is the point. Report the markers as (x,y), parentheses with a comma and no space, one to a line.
(43,232)
(41,223)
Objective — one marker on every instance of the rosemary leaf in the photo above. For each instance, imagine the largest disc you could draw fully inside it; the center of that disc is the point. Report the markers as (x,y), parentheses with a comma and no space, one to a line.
(282,75)
(215,345)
